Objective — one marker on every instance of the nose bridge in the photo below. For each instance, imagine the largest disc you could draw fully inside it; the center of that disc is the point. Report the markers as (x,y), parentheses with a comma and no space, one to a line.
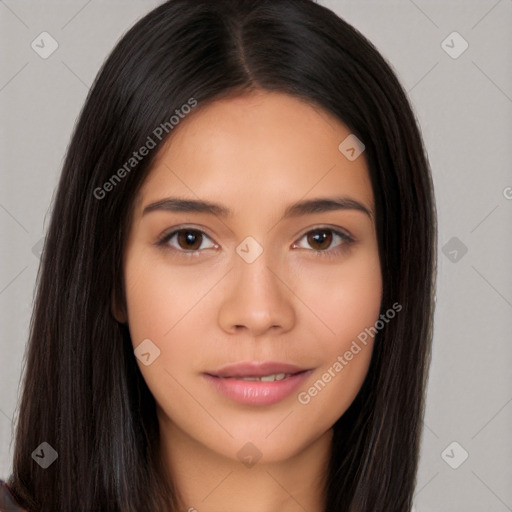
(255,263)
(258,276)
(257,298)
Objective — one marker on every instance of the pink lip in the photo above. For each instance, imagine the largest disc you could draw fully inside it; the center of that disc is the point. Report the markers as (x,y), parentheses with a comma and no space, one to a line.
(227,380)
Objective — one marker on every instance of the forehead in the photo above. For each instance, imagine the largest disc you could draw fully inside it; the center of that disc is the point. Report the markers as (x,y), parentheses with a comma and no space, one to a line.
(261,145)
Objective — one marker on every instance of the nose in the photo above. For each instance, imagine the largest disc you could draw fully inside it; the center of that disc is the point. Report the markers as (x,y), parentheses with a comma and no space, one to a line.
(258,299)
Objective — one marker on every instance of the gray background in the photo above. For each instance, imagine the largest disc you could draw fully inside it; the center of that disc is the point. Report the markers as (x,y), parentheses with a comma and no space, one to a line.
(464,108)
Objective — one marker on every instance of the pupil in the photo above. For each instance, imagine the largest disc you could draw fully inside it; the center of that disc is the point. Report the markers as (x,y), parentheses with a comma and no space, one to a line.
(190,238)
(320,237)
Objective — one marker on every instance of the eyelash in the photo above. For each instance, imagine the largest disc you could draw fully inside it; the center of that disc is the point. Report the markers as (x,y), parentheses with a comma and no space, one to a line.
(326,253)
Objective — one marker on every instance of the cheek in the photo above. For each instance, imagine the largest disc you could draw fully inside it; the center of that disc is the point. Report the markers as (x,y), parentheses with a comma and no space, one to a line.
(158,296)
(166,306)
(344,298)
(348,305)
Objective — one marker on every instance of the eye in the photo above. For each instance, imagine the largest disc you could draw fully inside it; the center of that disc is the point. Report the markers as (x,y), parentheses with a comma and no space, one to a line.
(191,241)
(321,240)
(186,240)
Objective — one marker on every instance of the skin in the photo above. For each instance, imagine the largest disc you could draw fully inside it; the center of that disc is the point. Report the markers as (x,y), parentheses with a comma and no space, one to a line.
(255,154)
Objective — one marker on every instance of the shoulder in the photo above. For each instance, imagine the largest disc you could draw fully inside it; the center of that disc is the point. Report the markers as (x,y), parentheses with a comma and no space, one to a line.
(8,502)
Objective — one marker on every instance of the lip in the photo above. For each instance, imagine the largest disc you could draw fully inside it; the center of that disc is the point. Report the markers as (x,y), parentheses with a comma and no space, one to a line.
(255,369)
(227,381)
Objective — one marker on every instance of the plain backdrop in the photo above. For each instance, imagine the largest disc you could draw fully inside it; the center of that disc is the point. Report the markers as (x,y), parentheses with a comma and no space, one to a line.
(462,98)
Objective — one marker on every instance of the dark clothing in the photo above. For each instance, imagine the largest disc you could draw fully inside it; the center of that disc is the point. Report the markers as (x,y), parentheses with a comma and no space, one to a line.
(8,502)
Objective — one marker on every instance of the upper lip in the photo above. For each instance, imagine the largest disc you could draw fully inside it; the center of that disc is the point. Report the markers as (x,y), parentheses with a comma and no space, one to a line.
(255,369)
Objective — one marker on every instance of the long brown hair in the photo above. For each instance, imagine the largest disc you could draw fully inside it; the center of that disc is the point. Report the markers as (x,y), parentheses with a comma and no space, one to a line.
(83,392)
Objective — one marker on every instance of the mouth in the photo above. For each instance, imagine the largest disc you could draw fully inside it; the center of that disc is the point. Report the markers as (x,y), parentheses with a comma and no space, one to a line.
(257,370)
(264,378)
(257,383)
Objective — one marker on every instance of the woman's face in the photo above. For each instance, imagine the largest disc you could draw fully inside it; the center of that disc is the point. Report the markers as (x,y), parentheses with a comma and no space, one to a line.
(267,282)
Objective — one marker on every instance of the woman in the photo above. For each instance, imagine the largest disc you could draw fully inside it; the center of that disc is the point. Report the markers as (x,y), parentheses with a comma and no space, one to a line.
(281,362)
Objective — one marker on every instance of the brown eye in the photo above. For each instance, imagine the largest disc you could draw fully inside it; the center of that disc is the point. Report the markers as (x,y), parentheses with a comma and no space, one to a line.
(326,242)
(186,241)
(189,239)
(320,239)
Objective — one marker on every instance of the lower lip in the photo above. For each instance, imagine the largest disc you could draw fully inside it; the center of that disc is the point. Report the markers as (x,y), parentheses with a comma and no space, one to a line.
(253,392)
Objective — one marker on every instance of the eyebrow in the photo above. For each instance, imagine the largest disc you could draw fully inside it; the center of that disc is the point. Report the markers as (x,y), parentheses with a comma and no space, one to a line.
(307,207)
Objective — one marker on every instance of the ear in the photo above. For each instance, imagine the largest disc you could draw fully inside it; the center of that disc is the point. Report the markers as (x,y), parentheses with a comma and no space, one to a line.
(118,309)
